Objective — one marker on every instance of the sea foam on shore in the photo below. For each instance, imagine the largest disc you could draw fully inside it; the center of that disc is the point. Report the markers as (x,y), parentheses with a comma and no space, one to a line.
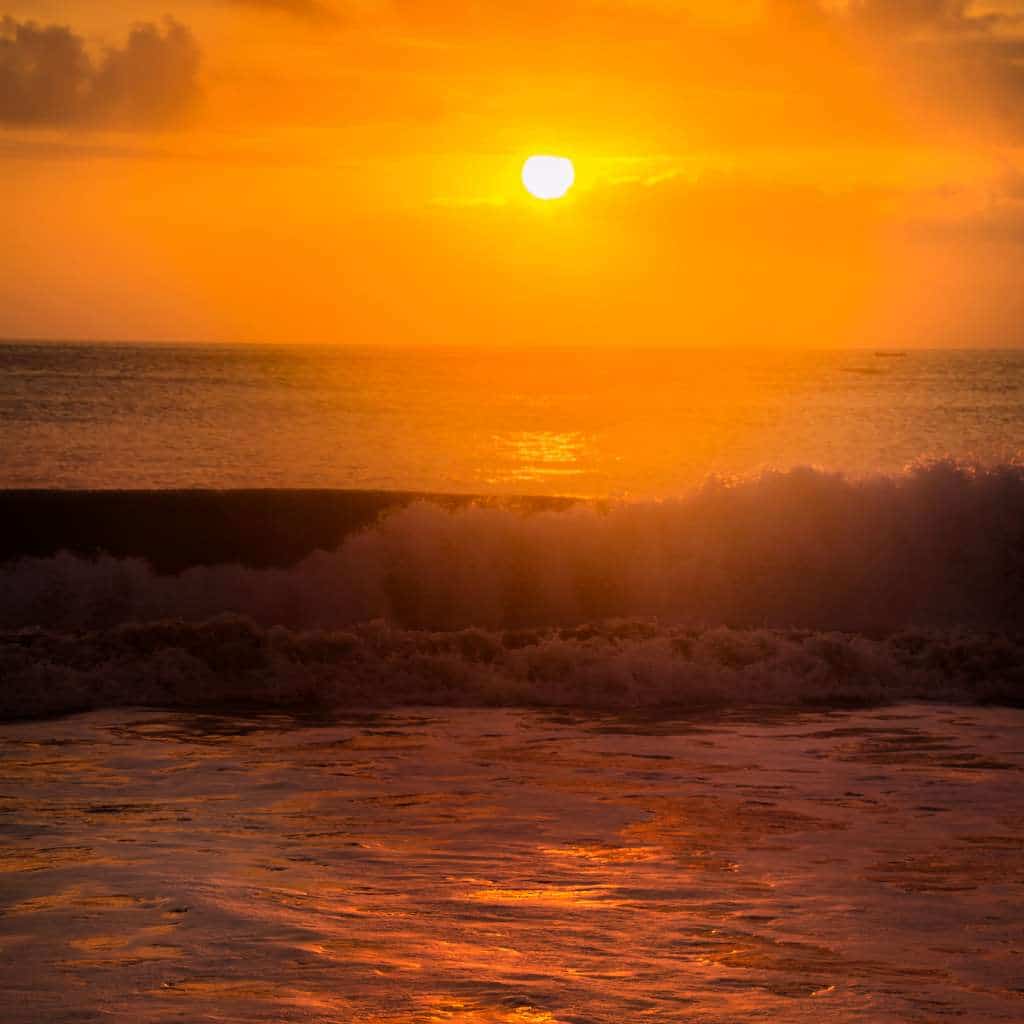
(640,665)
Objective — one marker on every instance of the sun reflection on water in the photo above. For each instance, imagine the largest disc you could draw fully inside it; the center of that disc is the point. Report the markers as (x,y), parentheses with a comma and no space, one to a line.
(578,896)
(538,455)
(510,867)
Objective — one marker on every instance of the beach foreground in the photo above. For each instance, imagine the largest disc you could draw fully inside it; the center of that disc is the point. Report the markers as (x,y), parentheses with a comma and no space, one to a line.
(519,866)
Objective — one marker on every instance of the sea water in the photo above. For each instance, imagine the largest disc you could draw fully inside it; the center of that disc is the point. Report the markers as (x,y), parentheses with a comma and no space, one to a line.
(740,740)
(785,528)
(584,422)
(445,866)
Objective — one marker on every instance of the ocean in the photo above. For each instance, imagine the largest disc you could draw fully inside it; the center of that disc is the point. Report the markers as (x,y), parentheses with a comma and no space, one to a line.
(491,687)
(604,529)
(472,866)
(592,423)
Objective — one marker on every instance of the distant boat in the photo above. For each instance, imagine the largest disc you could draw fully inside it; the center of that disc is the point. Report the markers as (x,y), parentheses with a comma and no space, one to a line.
(890,355)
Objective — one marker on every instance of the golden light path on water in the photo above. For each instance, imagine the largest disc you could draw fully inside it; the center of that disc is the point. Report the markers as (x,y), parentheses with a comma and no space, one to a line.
(511,867)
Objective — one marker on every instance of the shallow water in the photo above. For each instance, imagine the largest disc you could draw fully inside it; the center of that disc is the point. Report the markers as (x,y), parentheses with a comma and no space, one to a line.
(486,866)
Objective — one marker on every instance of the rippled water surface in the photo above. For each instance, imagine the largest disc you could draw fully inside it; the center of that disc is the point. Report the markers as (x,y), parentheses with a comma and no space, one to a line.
(512,866)
(585,422)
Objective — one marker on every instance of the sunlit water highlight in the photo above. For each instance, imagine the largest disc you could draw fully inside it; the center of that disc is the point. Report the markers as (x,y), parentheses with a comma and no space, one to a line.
(511,866)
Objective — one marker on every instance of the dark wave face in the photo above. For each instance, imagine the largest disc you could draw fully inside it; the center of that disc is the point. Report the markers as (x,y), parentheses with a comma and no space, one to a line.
(792,587)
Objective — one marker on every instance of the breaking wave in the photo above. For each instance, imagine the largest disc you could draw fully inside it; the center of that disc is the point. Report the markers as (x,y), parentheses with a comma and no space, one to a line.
(231,661)
(793,587)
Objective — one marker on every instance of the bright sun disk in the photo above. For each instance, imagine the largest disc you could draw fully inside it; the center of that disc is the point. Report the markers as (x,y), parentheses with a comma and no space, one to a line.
(548,177)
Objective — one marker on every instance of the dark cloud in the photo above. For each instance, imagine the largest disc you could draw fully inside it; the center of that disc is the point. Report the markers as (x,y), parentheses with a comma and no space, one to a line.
(911,14)
(48,78)
(964,68)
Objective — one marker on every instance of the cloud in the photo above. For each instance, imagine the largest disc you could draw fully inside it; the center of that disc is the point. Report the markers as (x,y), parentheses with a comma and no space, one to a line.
(48,78)
(305,10)
(918,15)
(786,71)
(966,67)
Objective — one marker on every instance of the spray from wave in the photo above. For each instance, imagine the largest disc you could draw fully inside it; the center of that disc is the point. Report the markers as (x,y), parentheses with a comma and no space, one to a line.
(792,587)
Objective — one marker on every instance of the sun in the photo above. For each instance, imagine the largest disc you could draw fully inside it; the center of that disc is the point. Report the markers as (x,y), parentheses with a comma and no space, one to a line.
(548,177)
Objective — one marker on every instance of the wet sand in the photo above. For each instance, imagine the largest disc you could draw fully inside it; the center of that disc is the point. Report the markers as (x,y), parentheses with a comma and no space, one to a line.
(514,866)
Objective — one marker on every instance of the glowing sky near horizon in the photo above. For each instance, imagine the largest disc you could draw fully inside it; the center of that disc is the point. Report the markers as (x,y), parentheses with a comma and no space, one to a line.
(777,172)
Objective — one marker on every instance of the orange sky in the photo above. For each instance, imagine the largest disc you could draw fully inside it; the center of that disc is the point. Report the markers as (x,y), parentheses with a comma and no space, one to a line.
(756,172)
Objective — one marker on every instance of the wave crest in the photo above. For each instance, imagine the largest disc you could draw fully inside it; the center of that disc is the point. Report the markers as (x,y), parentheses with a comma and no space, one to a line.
(939,546)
